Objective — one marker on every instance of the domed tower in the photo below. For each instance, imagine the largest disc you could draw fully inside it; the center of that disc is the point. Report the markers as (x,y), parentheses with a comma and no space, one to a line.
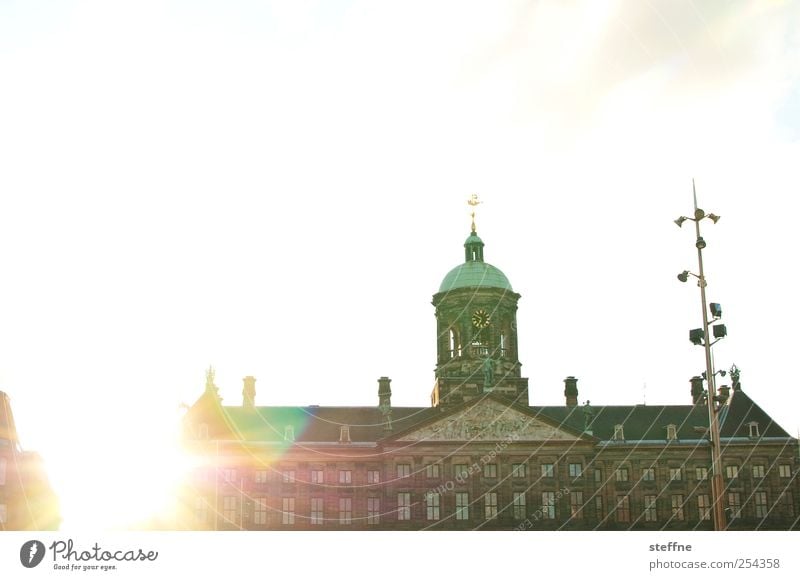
(476,321)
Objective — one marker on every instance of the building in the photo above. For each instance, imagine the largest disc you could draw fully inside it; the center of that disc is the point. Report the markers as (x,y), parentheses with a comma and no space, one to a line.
(27,502)
(481,456)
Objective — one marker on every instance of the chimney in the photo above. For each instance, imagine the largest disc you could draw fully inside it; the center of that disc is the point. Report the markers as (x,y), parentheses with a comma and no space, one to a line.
(571,391)
(697,390)
(249,393)
(384,393)
(385,401)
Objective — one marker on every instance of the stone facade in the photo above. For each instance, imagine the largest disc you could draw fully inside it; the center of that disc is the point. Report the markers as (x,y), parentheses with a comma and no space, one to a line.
(482,457)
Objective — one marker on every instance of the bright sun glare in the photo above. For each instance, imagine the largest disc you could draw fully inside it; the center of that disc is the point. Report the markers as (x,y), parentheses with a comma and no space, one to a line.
(119,482)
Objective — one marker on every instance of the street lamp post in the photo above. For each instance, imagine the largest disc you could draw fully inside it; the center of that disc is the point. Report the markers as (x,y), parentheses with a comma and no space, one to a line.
(717,493)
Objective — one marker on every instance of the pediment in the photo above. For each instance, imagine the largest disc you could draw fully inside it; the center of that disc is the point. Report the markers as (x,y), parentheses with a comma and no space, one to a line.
(489,420)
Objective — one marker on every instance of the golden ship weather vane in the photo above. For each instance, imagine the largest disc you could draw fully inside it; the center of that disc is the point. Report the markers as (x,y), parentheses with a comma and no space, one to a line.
(473,203)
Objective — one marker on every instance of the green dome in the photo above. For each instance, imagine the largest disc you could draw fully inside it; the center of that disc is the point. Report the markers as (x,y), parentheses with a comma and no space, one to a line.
(474,274)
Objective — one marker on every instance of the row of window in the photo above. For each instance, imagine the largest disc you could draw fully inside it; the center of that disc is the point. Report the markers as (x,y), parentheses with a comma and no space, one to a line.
(518,470)
(432,508)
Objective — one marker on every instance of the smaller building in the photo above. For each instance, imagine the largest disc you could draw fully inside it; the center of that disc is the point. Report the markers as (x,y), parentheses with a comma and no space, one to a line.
(27,501)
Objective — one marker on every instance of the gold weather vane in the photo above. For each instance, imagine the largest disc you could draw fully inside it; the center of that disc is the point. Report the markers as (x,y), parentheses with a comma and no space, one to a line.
(473,202)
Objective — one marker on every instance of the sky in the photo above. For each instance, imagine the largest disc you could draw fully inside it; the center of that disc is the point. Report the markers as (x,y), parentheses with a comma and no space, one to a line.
(277,189)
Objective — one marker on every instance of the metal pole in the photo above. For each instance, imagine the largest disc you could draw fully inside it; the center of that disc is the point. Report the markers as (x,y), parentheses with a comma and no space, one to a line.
(717,495)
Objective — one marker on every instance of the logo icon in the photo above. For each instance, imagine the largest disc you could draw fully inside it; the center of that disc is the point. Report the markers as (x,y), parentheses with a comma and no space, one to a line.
(31,553)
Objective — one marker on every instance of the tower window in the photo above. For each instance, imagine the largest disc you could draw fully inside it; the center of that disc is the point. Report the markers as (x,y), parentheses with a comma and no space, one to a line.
(455,344)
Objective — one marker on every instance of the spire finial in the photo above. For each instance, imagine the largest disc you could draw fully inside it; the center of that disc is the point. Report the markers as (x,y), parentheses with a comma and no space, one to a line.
(210,379)
(473,202)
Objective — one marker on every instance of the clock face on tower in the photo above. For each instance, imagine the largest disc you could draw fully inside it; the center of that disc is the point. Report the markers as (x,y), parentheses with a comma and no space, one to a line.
(480,318)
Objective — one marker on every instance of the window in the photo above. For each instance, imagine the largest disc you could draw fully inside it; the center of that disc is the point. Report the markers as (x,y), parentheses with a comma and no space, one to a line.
(373,476)
(229,475)
(650,514)
(598,475)
(317,511)
(576,504)
(229,508)
(622,474)
(287,511)
(345,511)
(672,433)
(734,504)
(575,469)
(518,470)
(519,511)
(288,433)
(623,509)
(548,505)
(598,507)
(758,471)
(731,471)
(677,507)
(649,474)
(753,429)
(675,474)
(787,504)
(547,470)
(460,470)
(462,505)
(432,470)
(704,507)
(619,434)
(490,505)
(760,498)
(344,434)
(404,506)
(373,510)
(200,509)
(261,476)
(317,476)
(287,475)
(3,463)
(491,470)
(785,470)
(701,473)
(432,506)
(260,511)
(403,470)
(3,514)
(345,476)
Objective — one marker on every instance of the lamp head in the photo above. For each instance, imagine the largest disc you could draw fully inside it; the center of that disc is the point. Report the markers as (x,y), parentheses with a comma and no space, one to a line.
(714,218)
(700,243)
(699,214)
(680,220)
(696,336)
(683,276)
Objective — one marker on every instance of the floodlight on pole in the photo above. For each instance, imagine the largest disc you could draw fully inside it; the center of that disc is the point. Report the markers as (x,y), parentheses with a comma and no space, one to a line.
(700,336)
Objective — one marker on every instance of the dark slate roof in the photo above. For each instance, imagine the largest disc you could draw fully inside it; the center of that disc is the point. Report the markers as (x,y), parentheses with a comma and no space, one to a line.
(640,422)
(742,410)
(320,423)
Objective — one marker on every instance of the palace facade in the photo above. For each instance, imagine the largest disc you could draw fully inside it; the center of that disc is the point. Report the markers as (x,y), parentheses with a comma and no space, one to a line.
(481,456)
